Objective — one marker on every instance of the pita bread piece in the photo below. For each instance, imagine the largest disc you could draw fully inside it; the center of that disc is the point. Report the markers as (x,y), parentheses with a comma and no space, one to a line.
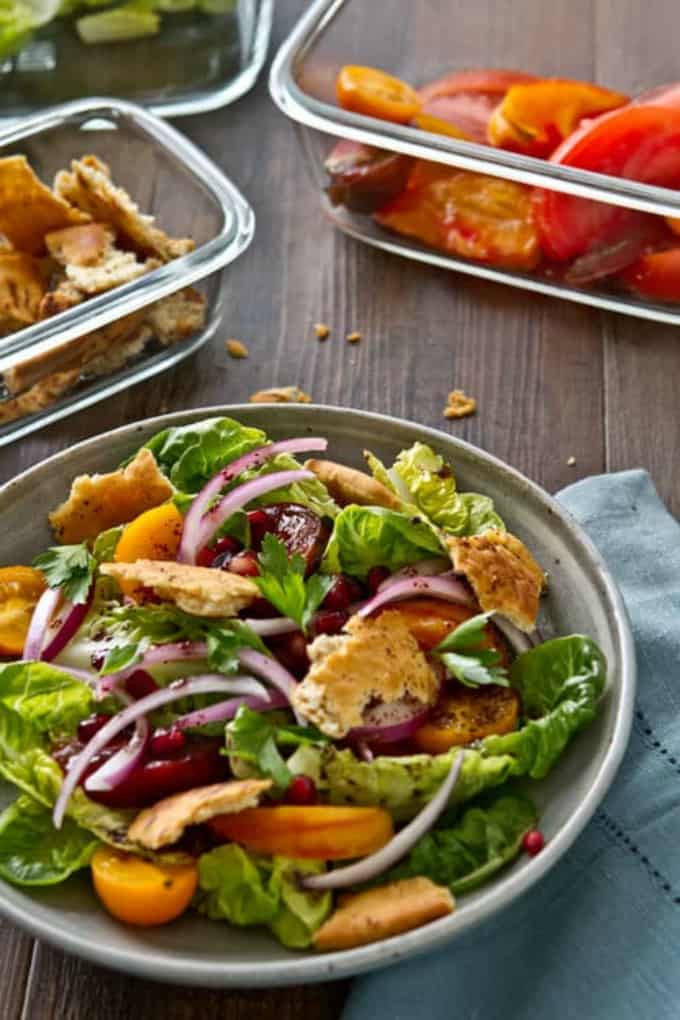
(504,575)
(163,823)
(348,485)
(98,502)
(41,395)
(28,209)
(380,913)
(88,186)
(200,591)
(177,316)
(22,287)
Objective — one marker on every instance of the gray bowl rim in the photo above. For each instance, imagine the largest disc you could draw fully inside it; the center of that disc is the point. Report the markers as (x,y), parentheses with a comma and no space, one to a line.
(161,966)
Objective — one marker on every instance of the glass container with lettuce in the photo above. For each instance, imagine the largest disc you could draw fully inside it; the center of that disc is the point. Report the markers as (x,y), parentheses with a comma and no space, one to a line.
(242,685)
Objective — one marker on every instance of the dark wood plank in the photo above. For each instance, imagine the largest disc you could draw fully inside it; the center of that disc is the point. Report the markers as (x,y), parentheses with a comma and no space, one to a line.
(16,951)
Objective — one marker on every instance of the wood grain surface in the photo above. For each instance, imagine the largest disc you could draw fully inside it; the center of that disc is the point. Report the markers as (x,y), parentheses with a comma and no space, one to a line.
(554,381)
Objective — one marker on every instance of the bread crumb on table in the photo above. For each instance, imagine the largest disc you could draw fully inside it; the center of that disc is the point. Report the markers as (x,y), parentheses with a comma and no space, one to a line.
(353,338)
(236,348)
(459,405)
(322,331)
(571,461)
(281,395)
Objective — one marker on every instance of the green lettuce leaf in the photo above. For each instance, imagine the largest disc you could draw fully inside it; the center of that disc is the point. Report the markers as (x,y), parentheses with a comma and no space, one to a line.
(364,537)
(246,890)
(43,695)
(425,483)
(33,852)
(104,545)
(560,682)
(255,738)
(464,851)
(24,760)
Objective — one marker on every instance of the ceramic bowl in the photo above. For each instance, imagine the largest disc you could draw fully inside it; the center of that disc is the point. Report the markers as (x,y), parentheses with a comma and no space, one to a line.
(582,597)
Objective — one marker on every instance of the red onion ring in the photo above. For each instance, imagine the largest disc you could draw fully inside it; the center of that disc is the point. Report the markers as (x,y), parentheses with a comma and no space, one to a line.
(268,668)
(516,638)
(376,863)
(191,534)
(434,566)
(40,621)
(224,710)
(206,684)
(446,588)
(272,628)
(120,765)
(389,733)
(72,615)
(158,655)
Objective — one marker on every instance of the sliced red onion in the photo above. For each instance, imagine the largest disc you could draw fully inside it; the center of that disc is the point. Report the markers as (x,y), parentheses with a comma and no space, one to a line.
(272,628)
(375,864)
(157,655)
(269,668)
(71,615)
(516,638)
(193,522)
(40,621)
(446,588)
(424,568)
(205,684)
(364,751)
(387,724)
(120,765)
(224,710)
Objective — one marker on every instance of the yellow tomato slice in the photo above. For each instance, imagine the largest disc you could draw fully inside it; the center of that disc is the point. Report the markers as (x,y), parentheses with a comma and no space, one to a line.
(375,93)
(140,892)
(20,589)
(466,714)
(321,832)
(154,535)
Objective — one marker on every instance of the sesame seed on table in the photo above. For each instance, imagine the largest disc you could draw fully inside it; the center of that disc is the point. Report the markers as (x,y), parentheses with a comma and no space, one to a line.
(562,391)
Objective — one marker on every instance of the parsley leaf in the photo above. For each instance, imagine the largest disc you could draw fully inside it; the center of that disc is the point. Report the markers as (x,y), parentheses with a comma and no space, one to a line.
(255,736)
(69,567)
(466,656)
(282,582)
(134,628)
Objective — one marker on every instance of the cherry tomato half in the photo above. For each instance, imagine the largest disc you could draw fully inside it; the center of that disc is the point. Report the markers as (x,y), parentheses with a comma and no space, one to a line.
(655,275)
(465,100)
(140,892)
(465,714)
(375,93)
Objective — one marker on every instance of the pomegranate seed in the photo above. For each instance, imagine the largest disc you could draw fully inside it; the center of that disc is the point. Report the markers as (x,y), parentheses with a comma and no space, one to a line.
(261,609)
(344,592)
(291,651)
(167,743)
(329,622)
(376,576)
(533,842)
(245,564)
(88,727)
(260,523)
(205,557)
(140,683)
(302,791)
(97,660)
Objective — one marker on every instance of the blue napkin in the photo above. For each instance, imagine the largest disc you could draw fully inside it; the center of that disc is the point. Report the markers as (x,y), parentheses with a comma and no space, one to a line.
(599,938)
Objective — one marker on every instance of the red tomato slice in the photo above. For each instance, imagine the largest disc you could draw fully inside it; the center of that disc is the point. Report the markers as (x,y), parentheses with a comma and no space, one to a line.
(656,275)
(466,99)
(639,142)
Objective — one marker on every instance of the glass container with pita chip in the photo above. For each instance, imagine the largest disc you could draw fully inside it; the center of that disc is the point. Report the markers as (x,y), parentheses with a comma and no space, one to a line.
(114,233)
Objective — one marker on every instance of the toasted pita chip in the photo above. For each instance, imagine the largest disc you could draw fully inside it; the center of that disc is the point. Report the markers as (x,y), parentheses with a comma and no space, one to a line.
(164,823)
(78,353)
(39,396)
(176,317)
(28,209)
(85,245)
(380,913)
(63,296)
(349,486)
(378,660)
(119,354)
(98,502)
(197,590)
(22,287)
(88,186)
(504,575)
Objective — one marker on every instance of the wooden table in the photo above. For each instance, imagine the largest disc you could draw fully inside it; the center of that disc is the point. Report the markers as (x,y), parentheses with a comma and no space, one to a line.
(554,381)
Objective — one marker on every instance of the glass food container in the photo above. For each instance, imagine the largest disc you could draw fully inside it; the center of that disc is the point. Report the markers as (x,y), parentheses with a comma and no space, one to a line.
(632,51)
(169,178)
(198,55)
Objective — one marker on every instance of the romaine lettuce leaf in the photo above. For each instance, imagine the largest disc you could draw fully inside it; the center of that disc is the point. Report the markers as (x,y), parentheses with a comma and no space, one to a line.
(560,683)
(464,851)
(364,537)
(426,484)
(53,701)
(191,454)
(247,890)
(33,852)
(24,760)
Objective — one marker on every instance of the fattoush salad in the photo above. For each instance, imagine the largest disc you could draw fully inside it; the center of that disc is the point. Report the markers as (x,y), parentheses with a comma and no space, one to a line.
(308,698)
